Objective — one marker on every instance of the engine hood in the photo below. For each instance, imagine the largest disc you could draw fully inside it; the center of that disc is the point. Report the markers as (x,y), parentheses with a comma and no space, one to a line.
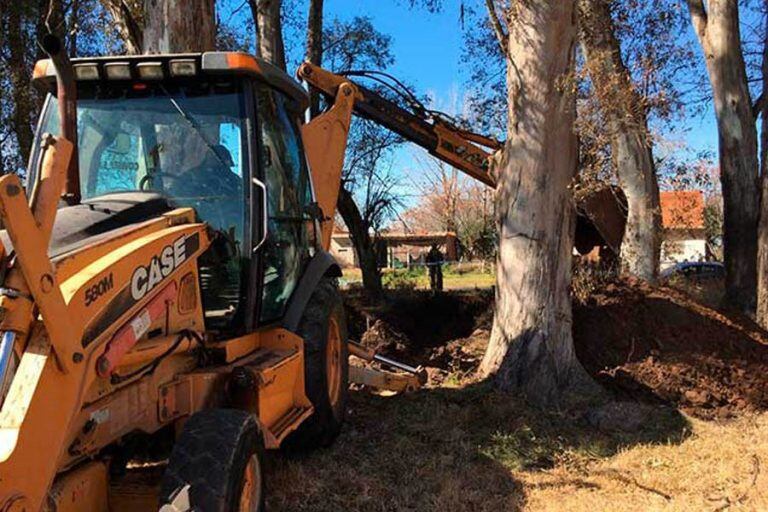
(91,220)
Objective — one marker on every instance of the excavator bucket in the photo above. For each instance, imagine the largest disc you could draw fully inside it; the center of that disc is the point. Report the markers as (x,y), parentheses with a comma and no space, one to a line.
(601,220)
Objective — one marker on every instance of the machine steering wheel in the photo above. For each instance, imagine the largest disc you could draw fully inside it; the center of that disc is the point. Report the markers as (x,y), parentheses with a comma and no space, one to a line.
(149,178)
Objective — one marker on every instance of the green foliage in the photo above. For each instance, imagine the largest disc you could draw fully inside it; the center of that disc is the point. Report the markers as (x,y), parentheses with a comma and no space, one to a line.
(406,279)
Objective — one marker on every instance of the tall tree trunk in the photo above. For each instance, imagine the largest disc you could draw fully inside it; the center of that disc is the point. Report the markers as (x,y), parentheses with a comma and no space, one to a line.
(762,231)
(315,48)
(630,140)
(21,94)
(128,24)
(717,29)
(176,26)
(531,347)
(363,244)
(270,31)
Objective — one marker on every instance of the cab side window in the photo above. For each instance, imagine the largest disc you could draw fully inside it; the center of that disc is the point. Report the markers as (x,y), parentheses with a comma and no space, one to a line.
(287,247)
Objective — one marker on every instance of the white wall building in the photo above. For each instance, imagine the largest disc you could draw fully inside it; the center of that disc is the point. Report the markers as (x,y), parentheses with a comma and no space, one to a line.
(684,237)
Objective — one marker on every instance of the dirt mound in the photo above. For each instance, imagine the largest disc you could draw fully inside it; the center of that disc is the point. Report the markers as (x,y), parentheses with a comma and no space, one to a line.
(653,344)
(657,344)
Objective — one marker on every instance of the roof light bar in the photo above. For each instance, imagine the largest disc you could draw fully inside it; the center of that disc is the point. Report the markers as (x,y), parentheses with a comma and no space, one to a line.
(150,70)
(183,67)
(85,71)
(118,70)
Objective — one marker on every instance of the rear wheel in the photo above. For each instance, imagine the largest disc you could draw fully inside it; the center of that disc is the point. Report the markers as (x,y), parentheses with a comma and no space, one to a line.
(216,464)
(326,367)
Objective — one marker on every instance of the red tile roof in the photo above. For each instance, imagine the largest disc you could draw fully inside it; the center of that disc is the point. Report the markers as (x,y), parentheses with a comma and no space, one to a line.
(682,209)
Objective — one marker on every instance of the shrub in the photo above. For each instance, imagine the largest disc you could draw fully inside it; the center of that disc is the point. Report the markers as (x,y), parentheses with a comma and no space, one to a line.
(403,279)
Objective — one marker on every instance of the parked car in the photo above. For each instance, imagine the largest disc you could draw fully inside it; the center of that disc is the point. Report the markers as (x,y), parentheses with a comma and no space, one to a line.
(695,270)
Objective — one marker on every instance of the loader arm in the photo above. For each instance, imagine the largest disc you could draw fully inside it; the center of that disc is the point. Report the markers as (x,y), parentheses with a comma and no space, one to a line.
(468,152)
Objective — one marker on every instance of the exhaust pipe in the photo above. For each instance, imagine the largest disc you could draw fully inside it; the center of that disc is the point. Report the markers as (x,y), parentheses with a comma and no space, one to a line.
(66,93)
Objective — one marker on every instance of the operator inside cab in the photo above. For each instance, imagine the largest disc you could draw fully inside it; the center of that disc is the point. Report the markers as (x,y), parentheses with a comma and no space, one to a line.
(146,150)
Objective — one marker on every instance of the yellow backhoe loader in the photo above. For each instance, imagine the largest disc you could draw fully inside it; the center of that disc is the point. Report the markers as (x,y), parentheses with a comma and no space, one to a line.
(165,283)
(165,278)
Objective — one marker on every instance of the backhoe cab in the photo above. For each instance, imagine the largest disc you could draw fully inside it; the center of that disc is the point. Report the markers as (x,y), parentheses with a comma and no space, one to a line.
(216,133)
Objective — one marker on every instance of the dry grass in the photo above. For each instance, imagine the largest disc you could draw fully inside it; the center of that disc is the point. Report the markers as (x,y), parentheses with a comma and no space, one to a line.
(719,467)
(467,449)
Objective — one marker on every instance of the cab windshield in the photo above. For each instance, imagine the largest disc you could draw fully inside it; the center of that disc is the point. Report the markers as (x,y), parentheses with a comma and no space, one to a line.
(185,142)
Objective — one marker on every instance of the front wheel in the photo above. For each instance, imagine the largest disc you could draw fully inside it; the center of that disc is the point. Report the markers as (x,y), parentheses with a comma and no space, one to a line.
(216,465)
(326,367)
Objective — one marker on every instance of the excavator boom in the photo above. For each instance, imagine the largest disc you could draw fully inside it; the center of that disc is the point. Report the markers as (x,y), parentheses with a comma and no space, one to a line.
(467,151)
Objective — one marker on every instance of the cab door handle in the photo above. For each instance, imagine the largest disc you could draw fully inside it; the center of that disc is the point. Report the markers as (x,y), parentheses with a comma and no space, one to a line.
(264,213)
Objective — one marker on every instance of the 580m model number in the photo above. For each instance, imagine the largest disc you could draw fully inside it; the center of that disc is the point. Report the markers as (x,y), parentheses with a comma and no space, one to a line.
(98,289)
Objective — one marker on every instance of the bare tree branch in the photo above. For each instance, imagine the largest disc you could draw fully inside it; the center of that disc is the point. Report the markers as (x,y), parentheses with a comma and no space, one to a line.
(127,25)
(699,17)
(498,28)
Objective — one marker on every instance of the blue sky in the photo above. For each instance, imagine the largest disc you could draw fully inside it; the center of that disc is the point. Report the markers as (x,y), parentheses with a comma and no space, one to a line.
(427,47)
(428,50)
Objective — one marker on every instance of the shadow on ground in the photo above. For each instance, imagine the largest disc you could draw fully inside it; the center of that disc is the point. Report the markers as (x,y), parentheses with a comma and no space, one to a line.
(443,449)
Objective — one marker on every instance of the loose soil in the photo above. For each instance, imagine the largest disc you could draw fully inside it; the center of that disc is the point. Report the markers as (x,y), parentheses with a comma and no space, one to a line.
(460,445)
(653,344)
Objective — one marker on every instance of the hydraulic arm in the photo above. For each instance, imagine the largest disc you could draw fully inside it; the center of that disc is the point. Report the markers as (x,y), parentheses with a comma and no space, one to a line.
(467,151)
(601,215)
(326,136)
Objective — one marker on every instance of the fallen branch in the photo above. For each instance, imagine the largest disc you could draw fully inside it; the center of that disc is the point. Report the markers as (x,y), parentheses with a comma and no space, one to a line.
(755,472)
(633,481)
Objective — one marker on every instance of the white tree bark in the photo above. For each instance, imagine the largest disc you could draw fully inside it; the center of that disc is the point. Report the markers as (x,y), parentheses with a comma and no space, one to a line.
(531,347)
(270,31)
(126,22)
(717,28)
(631,146)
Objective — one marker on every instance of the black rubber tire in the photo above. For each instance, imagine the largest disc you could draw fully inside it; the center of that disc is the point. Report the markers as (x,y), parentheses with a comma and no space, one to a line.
(210,456)
(322,428)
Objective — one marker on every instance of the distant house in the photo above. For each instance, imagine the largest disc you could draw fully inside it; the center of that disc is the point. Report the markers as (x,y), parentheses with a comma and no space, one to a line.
(396,249)
(684,237)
